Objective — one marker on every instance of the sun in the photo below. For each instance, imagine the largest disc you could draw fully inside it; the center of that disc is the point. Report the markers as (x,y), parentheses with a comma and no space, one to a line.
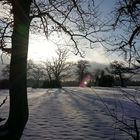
(41,49)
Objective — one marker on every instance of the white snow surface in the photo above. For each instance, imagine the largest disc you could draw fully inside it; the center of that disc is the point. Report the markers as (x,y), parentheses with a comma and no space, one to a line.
(77,113)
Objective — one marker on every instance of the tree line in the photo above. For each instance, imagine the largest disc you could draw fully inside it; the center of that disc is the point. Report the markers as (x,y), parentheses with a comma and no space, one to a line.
(60,72)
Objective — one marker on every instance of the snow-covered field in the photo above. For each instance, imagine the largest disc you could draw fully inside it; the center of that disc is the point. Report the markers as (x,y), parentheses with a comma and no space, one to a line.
(78,113)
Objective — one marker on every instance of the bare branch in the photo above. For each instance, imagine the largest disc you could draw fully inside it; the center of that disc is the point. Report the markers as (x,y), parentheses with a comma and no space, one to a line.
(3,101)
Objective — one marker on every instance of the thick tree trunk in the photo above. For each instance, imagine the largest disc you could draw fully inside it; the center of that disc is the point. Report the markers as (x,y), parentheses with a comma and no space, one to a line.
(58,82)
(18,114)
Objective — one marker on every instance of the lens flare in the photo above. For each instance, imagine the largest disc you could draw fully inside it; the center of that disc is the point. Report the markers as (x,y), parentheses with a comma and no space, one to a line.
(86,80)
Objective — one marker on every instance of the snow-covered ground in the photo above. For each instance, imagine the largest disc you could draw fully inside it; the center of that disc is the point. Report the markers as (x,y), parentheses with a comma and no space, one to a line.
(78,113)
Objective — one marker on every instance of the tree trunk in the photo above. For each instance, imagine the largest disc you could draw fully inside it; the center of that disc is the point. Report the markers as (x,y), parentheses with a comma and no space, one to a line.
(58,82)
(18,114)
(122,80)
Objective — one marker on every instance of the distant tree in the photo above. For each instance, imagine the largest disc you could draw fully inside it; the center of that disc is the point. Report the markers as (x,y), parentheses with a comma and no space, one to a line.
(82,69)
(119,69)
(105,80)
(95,76)
(58,68)
(47,69)
(35,73)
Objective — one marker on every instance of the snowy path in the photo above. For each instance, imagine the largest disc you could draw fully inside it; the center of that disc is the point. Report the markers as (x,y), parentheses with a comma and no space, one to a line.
(70,114)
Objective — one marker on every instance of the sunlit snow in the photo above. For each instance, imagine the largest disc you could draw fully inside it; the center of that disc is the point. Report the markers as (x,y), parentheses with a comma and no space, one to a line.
(76,113)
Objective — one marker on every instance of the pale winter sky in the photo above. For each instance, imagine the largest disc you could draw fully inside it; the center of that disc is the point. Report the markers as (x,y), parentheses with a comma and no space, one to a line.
(41,49)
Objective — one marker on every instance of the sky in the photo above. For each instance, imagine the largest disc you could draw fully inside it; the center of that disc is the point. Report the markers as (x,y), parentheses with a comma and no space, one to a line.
(41,49)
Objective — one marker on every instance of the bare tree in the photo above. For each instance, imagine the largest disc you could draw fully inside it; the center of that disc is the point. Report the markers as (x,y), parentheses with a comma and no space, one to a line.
(35,73)
(119,69)
(69,18)
(59,68)
(82,69)
(127,23)
(47,69)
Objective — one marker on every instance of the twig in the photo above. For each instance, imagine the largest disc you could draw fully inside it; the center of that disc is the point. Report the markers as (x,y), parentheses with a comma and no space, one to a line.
(3,101)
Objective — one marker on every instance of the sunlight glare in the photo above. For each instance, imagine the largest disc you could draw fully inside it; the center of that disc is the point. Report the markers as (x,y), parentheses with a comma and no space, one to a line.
(41,49)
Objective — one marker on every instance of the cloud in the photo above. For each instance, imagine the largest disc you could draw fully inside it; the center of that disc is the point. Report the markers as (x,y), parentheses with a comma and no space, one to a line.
(97,55)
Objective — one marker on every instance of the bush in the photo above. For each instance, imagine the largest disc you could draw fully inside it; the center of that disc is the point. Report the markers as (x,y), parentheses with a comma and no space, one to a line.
(70,83)
(106,81)
(51,84)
